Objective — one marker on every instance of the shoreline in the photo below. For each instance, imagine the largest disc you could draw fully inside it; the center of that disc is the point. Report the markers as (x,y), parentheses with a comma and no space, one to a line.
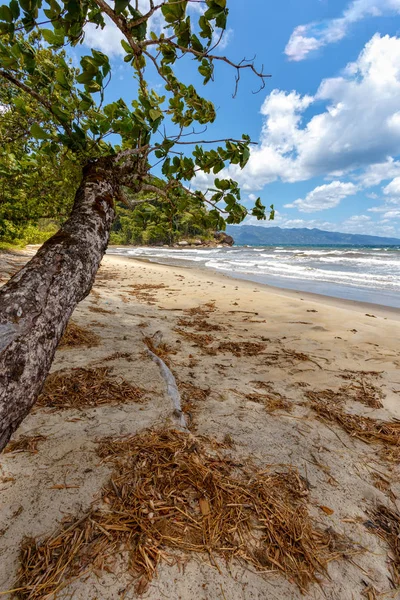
(369,278)
(356,305)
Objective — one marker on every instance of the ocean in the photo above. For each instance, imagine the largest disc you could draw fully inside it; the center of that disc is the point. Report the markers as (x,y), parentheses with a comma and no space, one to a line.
(367,274)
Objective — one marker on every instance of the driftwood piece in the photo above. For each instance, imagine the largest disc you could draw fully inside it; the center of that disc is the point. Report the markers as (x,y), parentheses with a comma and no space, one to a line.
(170,381)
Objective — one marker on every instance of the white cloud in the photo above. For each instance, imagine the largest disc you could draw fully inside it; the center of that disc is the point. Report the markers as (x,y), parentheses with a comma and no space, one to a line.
(197,6)
(391,214)
(376,173)
(324,197)
(108,40)
(362,224)
(392,200)
(313,36)
(355,134)
(393,188)
(222,37)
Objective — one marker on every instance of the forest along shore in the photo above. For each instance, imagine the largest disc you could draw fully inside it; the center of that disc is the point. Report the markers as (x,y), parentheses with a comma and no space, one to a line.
(292,384)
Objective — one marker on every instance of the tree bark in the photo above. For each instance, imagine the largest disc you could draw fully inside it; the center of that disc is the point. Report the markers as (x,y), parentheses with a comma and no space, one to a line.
(36,304)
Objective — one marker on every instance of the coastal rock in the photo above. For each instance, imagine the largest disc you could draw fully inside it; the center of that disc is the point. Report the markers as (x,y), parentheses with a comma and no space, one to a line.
(183,243)
(223,238)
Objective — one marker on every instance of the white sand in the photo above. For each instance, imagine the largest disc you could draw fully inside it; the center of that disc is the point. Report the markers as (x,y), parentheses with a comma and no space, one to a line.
(336,335)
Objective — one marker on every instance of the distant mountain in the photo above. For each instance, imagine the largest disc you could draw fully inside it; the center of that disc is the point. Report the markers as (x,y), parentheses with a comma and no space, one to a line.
(253,235)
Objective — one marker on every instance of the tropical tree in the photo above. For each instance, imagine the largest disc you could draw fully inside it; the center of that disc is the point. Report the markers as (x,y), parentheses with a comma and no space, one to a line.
(116,146)
(34,185)
(153,220)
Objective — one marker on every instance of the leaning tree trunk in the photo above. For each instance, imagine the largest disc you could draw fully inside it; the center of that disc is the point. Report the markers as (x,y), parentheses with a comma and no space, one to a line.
(36,304)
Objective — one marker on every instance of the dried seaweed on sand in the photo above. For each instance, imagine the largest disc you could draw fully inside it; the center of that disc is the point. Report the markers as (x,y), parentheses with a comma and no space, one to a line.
(191,397)
(25,443)
(242,348)
(107,274)
(83,388)
(144,292)
(76,336)
(199,324)
(366,429)
(104,311)
(286,356)
(391,454)
(272,401)
(203,311)
(386,523)
(117,356)
(370,593)
(190,392)
(383,484)
(200,339)
(361,391)
(158,347)
(168,493)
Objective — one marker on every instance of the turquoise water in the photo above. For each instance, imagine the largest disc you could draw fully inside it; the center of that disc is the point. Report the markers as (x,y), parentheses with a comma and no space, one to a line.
(369,274)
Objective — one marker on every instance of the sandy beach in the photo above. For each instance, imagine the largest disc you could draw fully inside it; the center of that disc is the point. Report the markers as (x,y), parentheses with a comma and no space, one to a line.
(274,377)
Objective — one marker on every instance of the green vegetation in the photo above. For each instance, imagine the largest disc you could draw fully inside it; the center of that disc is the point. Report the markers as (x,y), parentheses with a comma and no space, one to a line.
(153,221)
(27,234)
(54,119)
(37,186)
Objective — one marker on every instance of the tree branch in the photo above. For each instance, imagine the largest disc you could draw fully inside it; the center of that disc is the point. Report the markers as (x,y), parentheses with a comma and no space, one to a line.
(131,152)
(33,94)
(177,141)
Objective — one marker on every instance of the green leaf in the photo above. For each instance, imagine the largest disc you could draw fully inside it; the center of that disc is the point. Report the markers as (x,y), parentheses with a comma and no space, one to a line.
(138,31)
(120,6)
(14,7)
(52,38)
(6,27)
(84,105)
(206,31)
(155,114)
(272,213)
(183,30)
(93,87)
(221,19)
(196,44)
(218,14)
(6,14)
(62,114)
(245,157)
(99,58)
(222,184)
(39,133)
(126,46)
(61,78)
(206,69)
(174,10)
(85,77)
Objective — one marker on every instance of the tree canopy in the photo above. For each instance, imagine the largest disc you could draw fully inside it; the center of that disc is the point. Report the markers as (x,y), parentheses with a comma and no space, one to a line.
(55,117)
(153,221)
(59,127)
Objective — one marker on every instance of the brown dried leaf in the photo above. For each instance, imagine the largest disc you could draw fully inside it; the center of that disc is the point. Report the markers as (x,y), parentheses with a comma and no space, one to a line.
(204,507)
(327,510)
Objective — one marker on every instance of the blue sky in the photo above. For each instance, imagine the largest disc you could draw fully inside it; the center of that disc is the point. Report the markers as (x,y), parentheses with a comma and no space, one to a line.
(328,121)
